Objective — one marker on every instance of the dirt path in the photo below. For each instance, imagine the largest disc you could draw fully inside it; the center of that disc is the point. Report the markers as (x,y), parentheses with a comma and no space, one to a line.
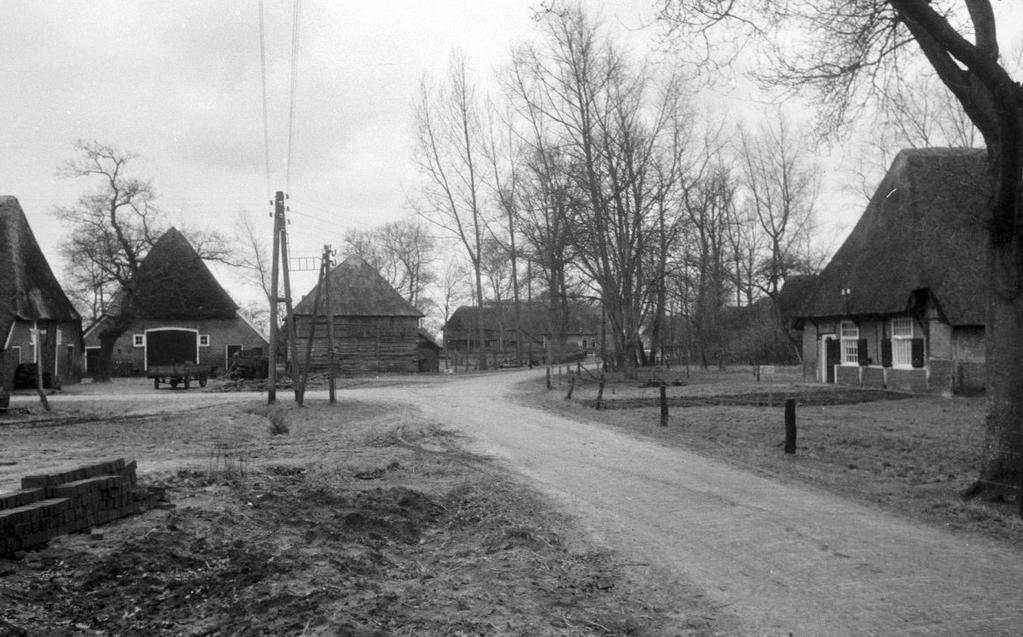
(784,559)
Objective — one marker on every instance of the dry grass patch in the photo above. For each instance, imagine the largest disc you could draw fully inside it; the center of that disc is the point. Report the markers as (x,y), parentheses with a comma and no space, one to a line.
(913,455)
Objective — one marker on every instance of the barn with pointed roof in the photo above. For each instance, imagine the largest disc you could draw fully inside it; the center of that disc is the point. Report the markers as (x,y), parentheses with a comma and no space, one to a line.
(37,321)
(375,328)
(181,314)
(902,303)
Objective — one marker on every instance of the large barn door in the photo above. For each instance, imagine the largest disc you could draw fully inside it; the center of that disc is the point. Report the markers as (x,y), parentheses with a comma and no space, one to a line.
(171,346)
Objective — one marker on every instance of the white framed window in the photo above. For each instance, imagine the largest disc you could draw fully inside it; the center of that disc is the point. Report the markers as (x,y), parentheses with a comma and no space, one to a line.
(204,340)
(16,354)
(850,335)
(138,340)
(902,342)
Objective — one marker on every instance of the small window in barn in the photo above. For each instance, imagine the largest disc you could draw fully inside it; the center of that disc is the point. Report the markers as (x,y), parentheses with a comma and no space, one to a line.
(902,342)
(204,340)
(16,354)
(850,333)
(138,340)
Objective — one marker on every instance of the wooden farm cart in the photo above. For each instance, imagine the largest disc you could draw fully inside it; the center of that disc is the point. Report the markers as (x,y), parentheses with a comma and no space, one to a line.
(183,373)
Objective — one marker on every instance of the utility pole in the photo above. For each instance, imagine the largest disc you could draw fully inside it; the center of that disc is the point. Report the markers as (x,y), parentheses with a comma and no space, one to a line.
(327,262)
(280,267)
(278,216)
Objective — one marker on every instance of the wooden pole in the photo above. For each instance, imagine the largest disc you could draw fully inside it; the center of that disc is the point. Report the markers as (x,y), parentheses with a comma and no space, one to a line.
(664,405)
(278,215)
(790,425)
(600,391)
(332,390)
(571,388)
(39,366)
(292,335)
(304,377)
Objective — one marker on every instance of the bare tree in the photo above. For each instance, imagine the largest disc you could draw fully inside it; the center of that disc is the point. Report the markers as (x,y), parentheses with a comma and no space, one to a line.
(112,229)
(253,255)
(781,183)
(603,116)
(503,153)
(447,151)
(401,251)
(710,207)
(850,55)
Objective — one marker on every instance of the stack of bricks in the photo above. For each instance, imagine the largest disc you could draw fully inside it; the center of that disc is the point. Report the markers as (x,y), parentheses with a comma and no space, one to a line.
(54,504)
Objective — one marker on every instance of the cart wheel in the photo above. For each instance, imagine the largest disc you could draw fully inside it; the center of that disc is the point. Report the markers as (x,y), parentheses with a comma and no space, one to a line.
(174,383)
(202,381)
(156,383)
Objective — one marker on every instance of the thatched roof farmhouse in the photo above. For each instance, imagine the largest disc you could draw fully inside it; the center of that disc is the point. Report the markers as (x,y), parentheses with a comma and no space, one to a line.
(182,314)
(902,303)
(32,299)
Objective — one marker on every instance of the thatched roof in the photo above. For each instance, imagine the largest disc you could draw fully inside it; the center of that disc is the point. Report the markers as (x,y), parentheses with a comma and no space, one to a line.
(357,289)
(28,289)
(535,318)
(794,294)
(922,238)
(175,284)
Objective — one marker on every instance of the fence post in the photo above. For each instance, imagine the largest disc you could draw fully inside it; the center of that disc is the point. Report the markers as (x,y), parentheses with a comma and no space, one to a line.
(571,388)
(790,425)
(549,386)
(600,391)
(664,405)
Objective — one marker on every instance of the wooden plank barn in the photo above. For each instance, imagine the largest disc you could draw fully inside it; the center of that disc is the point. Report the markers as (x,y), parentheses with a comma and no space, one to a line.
(37,321)
(375,328)
(902,303)
(182,314)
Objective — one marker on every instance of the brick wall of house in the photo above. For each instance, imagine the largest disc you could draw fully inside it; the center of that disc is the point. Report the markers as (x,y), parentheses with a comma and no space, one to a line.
(939,343)
(873,377)
(130,360)
(972,378)
(63,359)
(847,375)
(811,345)
(911,380)
(968,343)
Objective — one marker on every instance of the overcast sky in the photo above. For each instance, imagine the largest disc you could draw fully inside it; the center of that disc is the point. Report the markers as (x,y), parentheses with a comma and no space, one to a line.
(178,82)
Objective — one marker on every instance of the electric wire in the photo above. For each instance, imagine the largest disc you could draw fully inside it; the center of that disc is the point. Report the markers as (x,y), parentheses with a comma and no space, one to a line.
(266,118)
(296,16)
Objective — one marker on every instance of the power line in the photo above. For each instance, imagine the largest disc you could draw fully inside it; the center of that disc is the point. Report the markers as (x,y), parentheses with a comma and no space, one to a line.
(266,123)
(294,83)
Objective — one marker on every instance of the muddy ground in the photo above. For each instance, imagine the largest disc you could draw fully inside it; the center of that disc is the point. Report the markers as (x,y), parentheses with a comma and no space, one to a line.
(358,519)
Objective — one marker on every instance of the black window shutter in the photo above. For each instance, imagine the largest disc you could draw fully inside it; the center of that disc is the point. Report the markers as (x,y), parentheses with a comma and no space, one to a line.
(886,352)
(917,353)
(861,352)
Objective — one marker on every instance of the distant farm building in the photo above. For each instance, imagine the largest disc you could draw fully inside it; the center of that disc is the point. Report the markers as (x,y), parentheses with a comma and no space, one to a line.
(375,328)
(38,324)
(182,315)
(504,336)
(902,303)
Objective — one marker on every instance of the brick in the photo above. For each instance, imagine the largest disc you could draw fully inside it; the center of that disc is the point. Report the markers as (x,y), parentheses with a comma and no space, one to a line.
(21,498)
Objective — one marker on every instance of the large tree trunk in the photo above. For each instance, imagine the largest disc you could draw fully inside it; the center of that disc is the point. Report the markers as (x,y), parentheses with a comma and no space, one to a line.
(1004,336)
(105,363)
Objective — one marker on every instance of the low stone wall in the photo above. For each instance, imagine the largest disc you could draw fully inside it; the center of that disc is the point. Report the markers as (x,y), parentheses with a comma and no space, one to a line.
(54,504)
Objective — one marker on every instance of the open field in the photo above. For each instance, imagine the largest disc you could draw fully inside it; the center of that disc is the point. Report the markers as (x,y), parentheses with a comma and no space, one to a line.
(912,455)
(355,519)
